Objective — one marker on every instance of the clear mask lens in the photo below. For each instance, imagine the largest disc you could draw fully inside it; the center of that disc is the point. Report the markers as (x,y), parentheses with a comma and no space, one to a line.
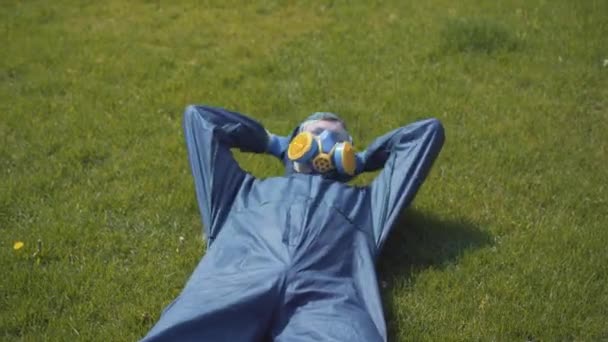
(317,127)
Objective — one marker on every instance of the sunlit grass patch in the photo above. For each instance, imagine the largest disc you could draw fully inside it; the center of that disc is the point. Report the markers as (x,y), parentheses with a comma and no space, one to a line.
(506,240)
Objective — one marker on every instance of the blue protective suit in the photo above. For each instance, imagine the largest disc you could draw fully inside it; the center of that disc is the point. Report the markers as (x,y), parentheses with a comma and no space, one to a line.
(290,258)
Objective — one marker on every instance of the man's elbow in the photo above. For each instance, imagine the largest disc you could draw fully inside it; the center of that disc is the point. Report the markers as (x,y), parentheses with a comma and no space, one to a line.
(190,113)
(435,127)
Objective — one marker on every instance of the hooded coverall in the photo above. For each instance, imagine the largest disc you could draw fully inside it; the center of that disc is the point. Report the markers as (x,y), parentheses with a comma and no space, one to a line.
(290,258)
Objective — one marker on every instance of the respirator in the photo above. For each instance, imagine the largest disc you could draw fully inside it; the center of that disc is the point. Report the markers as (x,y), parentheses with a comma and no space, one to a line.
(323,153)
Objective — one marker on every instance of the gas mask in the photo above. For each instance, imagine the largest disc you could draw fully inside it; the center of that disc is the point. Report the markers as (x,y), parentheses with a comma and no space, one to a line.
(323,153)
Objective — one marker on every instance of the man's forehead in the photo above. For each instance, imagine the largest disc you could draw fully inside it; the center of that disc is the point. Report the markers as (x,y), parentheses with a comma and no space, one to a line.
(314,126)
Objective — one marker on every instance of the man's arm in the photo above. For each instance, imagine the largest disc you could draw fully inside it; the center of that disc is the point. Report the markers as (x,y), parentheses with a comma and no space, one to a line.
(210,133)
(277,145)
(406,156)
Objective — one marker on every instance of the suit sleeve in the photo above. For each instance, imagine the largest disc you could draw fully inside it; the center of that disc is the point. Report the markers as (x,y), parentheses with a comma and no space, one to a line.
(210,134)
(405,156)
(277,145)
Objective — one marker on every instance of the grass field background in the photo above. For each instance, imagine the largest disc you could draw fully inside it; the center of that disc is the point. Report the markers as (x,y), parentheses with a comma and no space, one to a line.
(505,241)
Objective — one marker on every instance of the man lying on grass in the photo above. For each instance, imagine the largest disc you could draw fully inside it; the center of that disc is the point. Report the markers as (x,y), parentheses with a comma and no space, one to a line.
(292,258)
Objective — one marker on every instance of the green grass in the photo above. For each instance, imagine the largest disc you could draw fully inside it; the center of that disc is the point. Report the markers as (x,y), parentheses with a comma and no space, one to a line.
(506,240)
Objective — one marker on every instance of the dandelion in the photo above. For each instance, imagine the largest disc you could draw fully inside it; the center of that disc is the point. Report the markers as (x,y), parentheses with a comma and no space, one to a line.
(181,243)
(18,245)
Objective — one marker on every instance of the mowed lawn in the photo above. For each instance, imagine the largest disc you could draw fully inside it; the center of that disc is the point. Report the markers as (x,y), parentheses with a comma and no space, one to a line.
(507,239)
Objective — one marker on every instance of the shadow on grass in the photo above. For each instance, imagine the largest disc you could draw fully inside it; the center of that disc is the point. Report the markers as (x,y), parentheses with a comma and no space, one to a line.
(478,35)
(420,241)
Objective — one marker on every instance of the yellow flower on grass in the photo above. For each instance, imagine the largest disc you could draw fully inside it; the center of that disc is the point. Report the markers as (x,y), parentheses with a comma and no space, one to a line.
(18,245)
